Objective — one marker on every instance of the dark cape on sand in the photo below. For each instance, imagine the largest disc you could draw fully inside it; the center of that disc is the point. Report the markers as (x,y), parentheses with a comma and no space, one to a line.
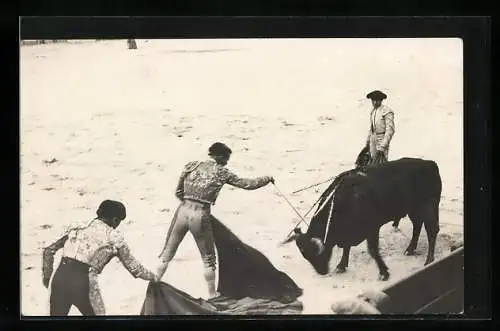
(248,284)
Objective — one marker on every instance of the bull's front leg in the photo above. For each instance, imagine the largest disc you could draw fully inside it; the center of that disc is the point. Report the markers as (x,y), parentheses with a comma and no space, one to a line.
(373,249)
(344,261)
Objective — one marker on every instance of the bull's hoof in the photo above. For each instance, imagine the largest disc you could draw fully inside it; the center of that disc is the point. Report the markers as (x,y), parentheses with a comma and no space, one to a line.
(384,276)
(396,229)
(340,269)
(409,252)
(428,262)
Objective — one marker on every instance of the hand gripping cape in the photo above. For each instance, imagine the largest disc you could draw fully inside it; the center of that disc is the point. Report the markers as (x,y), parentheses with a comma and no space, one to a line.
(248,284)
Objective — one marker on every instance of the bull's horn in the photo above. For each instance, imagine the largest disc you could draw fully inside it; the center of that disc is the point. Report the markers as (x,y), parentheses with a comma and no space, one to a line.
(318,244)
(289,239)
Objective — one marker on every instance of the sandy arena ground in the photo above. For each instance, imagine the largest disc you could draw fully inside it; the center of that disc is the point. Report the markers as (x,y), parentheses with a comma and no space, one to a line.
(99,121)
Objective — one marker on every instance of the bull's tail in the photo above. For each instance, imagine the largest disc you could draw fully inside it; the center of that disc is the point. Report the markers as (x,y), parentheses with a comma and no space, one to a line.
(439,185)
(436,197)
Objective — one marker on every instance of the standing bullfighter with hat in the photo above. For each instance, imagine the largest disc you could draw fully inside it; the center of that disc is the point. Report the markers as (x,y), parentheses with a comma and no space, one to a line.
(381,128)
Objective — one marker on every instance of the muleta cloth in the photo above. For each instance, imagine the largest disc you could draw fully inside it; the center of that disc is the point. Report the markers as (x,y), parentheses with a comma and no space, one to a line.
(376,95)
(248,283)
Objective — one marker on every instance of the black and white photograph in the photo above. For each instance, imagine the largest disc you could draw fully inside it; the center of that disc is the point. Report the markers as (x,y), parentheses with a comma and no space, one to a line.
(241,176)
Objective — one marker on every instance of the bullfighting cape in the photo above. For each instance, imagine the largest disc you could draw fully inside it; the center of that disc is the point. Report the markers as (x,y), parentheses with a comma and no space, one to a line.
(248,284)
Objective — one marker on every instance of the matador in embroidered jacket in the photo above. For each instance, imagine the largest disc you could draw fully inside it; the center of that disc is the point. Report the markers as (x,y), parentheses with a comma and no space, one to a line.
(199,185)
(86,250)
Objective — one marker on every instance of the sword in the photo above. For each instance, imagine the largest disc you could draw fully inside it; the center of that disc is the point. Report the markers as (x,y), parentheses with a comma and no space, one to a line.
(314,185)
(295,210)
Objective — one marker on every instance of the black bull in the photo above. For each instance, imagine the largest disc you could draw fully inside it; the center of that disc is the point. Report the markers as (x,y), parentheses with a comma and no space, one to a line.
(360,201)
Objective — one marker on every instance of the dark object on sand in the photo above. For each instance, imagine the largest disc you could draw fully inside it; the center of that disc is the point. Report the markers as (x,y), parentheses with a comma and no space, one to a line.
(248,284)
(131,44)
(438,288)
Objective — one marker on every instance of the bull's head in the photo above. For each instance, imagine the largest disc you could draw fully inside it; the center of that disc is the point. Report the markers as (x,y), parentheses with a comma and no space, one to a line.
(312,249)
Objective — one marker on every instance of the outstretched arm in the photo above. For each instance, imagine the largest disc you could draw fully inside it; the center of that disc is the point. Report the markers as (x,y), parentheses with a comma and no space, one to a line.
(247,183)
(133,266)
(48,258)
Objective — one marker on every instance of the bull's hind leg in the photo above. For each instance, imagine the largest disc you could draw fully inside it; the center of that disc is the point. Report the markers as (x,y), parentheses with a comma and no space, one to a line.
(344,261)
(431,223)
(417,221)
(373,249)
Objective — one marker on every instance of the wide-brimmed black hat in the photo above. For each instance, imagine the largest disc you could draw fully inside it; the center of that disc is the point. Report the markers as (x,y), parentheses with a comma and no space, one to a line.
(219,149)
(109,209)
(376,95)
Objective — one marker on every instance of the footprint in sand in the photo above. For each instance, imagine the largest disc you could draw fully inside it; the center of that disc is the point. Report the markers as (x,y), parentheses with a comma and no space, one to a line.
(326,118)
(50,161)
(81,192)
(58,177)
